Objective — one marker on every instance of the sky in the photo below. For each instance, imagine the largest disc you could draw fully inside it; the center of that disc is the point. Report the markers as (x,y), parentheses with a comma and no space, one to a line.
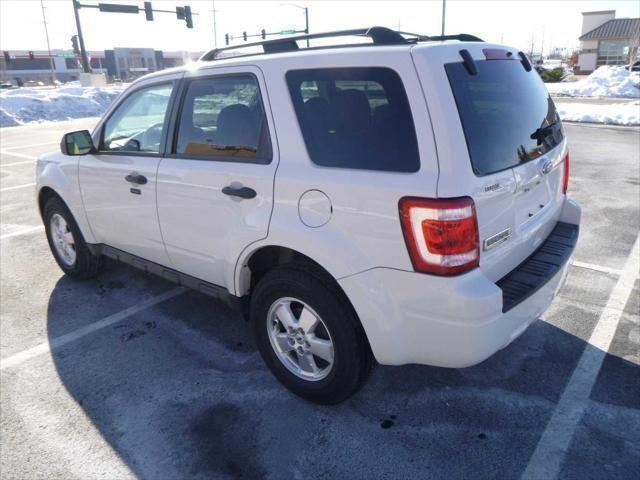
(518,23)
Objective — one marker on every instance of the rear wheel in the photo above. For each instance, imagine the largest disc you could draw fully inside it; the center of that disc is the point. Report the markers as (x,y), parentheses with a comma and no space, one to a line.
(67,243)
(308,334)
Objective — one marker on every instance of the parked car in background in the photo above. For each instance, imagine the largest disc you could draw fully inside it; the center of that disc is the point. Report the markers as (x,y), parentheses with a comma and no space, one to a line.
(634,67)
(403,201)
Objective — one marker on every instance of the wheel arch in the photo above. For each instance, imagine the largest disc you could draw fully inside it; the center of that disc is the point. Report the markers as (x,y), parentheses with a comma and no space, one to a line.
(264,258)
(61,181)
(44,194)
(259,261)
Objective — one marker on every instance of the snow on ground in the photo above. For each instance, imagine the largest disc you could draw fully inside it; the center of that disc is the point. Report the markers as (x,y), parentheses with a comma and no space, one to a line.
(611,113)
(606,81)
(32,105)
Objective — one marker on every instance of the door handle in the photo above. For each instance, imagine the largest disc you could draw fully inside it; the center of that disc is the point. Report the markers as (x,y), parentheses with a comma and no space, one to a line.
(242,192)
(136,178)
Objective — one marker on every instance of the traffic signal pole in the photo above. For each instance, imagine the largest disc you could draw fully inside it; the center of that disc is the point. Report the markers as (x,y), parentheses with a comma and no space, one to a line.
(83,52)
(183,13)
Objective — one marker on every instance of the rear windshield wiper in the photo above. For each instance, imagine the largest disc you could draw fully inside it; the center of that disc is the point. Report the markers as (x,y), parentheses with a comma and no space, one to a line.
(543,132)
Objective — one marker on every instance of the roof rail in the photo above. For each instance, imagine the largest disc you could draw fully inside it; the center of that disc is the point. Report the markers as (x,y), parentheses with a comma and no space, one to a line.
(379,35)
(463,37)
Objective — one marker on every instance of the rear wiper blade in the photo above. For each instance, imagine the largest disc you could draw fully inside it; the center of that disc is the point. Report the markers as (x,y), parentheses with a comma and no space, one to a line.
(542,132)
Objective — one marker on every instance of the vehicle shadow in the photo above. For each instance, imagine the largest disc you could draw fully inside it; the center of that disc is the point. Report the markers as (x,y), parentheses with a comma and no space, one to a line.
(179,391)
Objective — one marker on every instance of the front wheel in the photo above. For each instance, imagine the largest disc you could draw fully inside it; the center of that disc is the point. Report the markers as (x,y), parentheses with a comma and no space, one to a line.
(308,334)
(67,243)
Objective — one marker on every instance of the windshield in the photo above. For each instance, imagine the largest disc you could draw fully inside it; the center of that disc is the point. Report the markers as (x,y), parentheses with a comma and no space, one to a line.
(507,114)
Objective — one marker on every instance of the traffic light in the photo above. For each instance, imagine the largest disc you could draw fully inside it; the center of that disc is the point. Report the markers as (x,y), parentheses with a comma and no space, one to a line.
(31,55)
(148,11)
(264,33)
(180,13)
(74,43)
(226,40)
(244,36)
(187,16)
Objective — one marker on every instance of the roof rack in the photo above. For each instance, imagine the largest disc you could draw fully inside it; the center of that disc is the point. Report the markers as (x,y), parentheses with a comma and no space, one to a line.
(379,35)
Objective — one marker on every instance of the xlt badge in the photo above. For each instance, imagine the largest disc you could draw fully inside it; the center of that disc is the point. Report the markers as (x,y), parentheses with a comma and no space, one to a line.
(497,239)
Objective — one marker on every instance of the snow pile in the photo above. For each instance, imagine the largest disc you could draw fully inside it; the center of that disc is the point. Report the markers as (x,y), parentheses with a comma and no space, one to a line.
(611,113)
(606,81)
(29,105)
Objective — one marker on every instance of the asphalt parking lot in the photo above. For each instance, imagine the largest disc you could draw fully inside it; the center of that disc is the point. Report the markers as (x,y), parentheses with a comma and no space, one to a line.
(128,376)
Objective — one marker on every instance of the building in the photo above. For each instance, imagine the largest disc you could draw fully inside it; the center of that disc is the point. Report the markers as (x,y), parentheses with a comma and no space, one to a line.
(21,67)
(606,40)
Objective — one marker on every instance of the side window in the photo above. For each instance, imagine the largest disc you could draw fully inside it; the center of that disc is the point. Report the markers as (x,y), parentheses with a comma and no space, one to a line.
(223,118)
(137,124)
(355,118)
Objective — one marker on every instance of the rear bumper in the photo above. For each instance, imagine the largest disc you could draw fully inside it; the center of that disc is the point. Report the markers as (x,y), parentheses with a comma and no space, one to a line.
(455,322)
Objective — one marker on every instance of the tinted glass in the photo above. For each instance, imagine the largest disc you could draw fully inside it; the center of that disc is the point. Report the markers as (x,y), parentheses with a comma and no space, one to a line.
(504,111)
(138,122)
(355,118)
(223,117)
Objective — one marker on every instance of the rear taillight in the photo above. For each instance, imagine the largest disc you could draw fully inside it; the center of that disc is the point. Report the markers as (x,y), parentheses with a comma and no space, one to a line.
(565,178)
(441,234)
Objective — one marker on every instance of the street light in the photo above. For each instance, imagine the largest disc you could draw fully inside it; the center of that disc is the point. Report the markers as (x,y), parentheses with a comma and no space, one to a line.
(306,17)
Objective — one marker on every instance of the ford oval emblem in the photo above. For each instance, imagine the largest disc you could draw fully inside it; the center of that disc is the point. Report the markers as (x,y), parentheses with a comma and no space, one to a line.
(546,167)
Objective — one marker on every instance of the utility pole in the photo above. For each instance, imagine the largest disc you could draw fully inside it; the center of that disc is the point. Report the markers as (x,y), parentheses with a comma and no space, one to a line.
(83,52)
(306,23)
(444,11)
(531,49)
(306,17)
(215,34)
(46,33)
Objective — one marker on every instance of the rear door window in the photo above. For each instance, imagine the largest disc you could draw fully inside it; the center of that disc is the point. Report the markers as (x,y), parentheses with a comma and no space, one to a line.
(507,114)
(223,118)
(355,118)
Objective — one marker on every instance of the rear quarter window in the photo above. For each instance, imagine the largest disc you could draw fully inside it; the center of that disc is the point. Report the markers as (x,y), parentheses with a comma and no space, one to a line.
(504,111)
(355,118)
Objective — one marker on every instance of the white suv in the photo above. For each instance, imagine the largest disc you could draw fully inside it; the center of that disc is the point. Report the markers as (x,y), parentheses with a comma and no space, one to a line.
(402,199)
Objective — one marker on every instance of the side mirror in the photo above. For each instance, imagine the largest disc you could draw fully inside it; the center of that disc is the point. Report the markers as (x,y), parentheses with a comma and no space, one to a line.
(77,143)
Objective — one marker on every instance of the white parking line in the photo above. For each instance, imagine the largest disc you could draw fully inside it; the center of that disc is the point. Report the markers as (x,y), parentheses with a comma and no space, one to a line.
(18,163)
(549,454)
(597,268)
(19,155)
(29,145)
(47,347)
(6,189)
(24,231)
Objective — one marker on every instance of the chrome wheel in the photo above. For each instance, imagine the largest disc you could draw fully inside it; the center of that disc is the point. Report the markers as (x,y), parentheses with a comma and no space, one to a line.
(62,239)
(300,339)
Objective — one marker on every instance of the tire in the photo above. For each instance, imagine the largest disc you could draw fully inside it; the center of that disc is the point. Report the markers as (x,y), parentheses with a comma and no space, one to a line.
(313,298)
(75,260)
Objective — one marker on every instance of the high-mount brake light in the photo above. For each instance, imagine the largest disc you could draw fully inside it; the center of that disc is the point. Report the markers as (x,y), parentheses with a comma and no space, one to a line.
(498,54)
(565,178)
(441,234)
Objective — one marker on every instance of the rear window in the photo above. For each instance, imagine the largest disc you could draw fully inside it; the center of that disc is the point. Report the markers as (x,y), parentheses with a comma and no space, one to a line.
(504,111)
(355,118)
